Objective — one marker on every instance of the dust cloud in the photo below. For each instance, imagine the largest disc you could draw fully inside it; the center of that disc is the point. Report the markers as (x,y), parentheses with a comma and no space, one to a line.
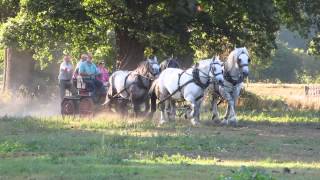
(18,107)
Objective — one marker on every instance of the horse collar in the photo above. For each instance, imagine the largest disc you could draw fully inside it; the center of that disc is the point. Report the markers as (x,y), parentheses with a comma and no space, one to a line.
(197,80)
(228,78)
(140,81)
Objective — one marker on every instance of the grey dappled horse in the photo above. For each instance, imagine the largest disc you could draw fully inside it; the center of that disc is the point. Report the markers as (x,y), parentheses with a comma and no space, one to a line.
(236,69)
(132,86)
(176,84)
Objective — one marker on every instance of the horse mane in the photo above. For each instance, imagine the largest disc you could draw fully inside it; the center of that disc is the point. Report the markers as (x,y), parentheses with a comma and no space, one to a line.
(233,56)
(204,62)
(173,63)
(143,68)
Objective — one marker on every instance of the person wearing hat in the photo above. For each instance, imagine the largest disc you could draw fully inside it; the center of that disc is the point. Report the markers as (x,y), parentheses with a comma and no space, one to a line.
(104,74)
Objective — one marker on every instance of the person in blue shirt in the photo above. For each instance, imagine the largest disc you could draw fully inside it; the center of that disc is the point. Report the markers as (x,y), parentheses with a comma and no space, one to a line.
(88,71)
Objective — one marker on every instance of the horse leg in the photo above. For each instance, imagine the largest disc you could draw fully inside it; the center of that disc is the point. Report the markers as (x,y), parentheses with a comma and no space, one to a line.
(122,107)
(233,117)
(215,112)
(153,100)
(163,118)
(172,116)
(229,98)
(168,108)
(136,109)
(195,110)
(147,106)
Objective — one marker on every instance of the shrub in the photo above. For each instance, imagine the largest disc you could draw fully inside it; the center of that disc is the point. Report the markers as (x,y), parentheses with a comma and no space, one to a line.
(245,173)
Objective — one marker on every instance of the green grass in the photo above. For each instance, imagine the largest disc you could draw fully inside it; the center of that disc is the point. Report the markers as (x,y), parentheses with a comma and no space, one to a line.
(115,148)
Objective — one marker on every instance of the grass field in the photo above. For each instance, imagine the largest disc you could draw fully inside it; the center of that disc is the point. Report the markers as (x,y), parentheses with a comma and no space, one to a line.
(108,147)
(292,94)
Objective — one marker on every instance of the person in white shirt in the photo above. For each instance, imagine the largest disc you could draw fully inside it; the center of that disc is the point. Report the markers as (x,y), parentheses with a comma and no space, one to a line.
(65,76)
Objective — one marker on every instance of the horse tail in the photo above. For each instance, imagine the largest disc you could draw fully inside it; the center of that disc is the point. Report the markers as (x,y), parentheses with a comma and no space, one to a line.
(110,92)
(112,89)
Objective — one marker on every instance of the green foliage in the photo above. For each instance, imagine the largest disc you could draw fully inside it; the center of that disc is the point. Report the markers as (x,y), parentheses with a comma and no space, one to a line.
(8,8)
(1,59)
(245,173)
(180,27)
(50,27)
(289,65)
(314,47)
(9,146)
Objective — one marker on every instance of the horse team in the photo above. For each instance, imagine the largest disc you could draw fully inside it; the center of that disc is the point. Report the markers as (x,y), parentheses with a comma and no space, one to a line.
(168,84)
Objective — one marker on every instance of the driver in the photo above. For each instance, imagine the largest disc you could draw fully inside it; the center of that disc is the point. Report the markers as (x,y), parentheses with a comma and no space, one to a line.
(88,71)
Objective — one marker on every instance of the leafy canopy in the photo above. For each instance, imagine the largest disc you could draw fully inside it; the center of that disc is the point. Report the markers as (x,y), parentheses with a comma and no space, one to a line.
(180,27)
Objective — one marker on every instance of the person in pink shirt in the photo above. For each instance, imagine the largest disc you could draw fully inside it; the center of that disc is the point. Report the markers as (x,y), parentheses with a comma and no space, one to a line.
(104,74)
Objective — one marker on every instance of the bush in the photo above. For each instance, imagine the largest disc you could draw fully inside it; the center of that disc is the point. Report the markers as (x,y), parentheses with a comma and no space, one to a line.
(249,101)
(245,173)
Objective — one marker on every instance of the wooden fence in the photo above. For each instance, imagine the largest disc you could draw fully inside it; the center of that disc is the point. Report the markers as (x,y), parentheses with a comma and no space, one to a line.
(312,90)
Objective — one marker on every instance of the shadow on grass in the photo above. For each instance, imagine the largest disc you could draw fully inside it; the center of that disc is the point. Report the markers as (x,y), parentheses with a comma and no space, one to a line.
(30,136)
(96,167)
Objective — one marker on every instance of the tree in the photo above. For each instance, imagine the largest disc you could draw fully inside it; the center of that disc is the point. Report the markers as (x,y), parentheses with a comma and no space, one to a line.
(8,8)
(180,27)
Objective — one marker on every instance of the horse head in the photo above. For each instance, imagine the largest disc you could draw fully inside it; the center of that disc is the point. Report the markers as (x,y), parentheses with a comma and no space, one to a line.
(211,68)
(154,66)
(243,61)
(171,62)
(216,70)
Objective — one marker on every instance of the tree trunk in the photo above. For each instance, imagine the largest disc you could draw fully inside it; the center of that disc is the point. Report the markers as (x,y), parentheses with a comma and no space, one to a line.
(18,69)
(4,70)
(130,51)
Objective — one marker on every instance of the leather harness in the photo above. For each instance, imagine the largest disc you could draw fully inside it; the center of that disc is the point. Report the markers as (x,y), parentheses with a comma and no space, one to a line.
(195,79)
(227,76)
(125,89)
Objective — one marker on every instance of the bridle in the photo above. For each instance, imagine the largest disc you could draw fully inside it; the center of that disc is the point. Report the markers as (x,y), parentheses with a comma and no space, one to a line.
(151,70)
(239,60)
(227,75)
(211,70)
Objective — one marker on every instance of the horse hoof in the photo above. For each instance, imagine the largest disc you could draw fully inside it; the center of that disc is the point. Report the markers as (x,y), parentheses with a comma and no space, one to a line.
(161,122)
(224,122)
(216,120)
(172,118)
(195,122)
(233,123)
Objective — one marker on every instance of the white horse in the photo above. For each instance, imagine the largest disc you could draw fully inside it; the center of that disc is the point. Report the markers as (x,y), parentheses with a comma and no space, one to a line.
(236,68)
(133,85)
(176,84)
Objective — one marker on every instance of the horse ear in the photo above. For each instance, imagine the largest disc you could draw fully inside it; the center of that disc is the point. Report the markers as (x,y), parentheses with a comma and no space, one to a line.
(155,59)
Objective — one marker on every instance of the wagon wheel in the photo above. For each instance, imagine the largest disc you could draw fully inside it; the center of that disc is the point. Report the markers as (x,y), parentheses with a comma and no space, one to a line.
(68,107)
(86,107)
